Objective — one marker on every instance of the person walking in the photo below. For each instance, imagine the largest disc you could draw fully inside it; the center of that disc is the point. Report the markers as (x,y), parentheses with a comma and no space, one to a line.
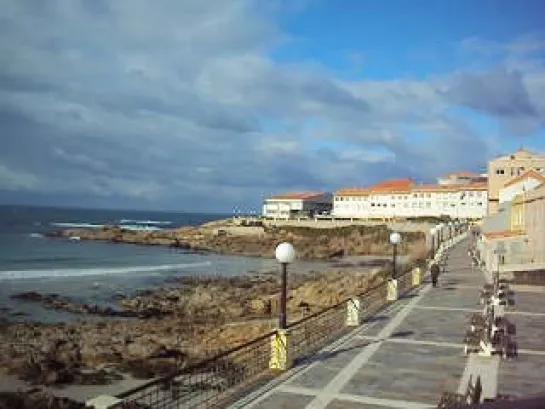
(434,271)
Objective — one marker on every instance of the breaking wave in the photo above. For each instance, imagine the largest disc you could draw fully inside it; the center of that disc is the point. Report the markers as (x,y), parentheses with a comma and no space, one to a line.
(78,225)
(132,221)
(76,272)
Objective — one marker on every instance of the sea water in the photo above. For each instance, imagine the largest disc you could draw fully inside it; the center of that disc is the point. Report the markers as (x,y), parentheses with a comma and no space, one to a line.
(91,271)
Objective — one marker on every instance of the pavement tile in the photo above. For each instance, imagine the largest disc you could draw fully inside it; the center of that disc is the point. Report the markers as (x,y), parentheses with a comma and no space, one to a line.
(530,332)
(522,377)
(435,325)
(409,372)
(529,302)
(342,404)
(451,297)
(281,400)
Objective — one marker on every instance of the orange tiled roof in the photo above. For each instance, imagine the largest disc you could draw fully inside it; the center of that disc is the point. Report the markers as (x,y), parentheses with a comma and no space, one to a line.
(451,188)
(391,186)
(300,195)
(528,174)
(503,234)
(355,191)
(408,186)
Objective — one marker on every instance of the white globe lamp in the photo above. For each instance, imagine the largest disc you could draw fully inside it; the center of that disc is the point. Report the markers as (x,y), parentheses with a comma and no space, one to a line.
(285,253)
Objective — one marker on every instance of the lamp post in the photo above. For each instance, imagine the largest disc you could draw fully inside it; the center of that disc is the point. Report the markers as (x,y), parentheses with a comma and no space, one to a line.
(395,239)
(500,251)
(433,232)
(450,230)
(285,254)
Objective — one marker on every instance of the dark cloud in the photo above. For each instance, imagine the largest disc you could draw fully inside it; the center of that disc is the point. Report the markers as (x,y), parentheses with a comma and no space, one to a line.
(178,106)
(500,93)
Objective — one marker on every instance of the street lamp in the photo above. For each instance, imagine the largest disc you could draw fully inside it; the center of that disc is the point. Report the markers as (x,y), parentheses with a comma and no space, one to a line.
(433,232)
(450,232)
(395,239)
(285,254)
(500,251)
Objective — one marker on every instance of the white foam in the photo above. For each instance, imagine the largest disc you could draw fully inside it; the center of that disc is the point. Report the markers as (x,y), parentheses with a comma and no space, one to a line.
(68,272)
(78,225)
(139,227)
(164,222)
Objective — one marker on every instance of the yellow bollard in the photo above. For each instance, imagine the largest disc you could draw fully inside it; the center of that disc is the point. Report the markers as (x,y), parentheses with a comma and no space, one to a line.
(281,359)
(353,312)
(392,290)
(417,276)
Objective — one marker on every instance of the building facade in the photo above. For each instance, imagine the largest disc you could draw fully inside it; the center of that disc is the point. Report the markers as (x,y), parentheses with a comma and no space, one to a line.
(533,219)
(401,199)
(297,205)
(519,185)
(505,168)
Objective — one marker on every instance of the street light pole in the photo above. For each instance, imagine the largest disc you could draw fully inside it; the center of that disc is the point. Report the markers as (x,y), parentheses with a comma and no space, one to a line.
(395,239)
(432,235)
(285,254)
(282,321)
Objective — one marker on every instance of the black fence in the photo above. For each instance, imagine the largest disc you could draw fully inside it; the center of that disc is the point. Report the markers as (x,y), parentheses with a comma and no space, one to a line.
(208,384)
(226,377)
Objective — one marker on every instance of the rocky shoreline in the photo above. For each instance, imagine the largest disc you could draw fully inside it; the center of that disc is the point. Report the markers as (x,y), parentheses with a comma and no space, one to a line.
(194,321)
(259,241)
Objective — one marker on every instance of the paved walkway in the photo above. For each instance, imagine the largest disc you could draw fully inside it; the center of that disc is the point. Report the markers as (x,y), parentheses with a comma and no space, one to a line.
(411,352)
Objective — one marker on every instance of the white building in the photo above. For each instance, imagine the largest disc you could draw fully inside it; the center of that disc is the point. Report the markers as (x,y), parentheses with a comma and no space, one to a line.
(526,182)
(293,205)
(405,199)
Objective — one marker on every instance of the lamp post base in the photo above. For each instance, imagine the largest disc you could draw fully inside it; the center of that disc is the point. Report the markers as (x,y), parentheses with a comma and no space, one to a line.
(281,354)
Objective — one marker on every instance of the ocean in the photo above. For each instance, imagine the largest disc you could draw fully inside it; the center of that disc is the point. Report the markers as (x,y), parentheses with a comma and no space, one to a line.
(90,271)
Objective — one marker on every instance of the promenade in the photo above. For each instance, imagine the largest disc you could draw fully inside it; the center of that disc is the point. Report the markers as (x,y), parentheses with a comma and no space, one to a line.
(410,353)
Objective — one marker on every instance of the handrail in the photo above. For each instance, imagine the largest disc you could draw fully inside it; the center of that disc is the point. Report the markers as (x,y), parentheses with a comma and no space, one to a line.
(195,366)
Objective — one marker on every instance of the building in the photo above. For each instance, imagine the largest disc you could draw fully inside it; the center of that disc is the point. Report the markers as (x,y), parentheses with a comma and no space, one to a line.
(518,228)
(402,199)
(505,168)
(526,182)
(296,205)
(533,220)
(462,178)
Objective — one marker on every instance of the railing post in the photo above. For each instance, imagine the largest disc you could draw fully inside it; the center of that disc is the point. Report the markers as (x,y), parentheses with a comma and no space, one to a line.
(417,276)
(392,293)
(103,402)
(281,354)
(353,312)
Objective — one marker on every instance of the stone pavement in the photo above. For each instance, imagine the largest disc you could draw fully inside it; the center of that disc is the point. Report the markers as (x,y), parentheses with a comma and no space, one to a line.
(411,352)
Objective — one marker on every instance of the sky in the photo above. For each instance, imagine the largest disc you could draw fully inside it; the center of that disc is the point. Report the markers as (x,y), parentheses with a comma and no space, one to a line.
(207,106)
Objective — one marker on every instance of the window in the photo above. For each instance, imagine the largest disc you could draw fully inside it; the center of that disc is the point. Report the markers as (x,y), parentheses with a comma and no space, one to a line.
(428,195)
(500,171)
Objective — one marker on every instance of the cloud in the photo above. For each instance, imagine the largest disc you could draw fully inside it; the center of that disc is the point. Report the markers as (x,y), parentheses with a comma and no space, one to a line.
(181,106)
(11,179)
(499,93)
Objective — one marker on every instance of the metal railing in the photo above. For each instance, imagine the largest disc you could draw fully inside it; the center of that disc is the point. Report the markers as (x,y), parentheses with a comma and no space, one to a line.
(222,379)
(207,384)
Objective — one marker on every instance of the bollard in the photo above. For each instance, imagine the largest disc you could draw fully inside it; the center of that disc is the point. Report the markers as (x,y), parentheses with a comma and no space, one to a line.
(281,358)
(417,276)
(353,312)
(392,290)
(102,402)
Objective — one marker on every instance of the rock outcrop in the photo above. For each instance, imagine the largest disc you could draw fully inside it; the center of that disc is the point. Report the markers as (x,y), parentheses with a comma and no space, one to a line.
(311,243)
